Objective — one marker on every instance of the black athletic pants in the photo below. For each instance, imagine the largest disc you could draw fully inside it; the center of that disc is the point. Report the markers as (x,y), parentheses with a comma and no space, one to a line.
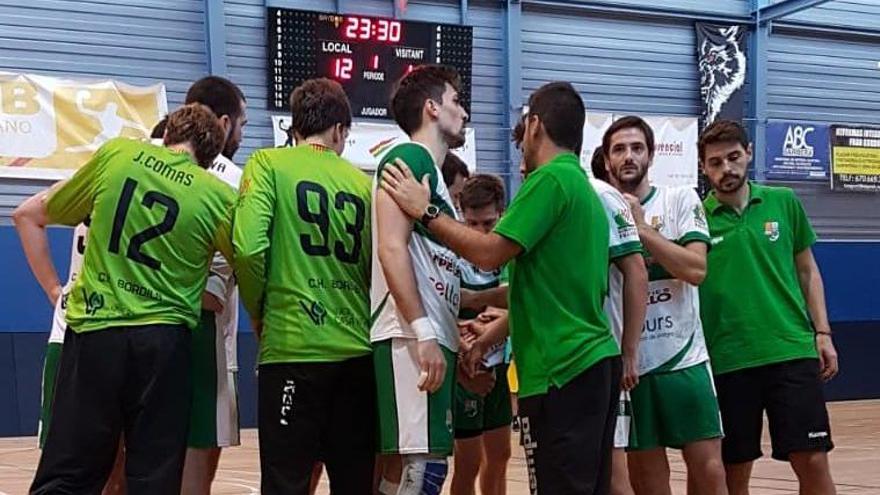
(130,380)
(568,433)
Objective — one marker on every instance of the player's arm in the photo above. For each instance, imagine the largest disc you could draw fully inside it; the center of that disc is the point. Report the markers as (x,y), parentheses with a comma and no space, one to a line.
(480,299)
(684,262)
(31,219)
(67,203)
(221,274)
(394,230)
(490,332)
(813,289)
(635,286)
(250,234)
(487,251)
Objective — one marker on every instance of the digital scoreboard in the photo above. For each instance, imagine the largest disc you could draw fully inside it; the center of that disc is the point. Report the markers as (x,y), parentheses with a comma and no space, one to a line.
(367,55)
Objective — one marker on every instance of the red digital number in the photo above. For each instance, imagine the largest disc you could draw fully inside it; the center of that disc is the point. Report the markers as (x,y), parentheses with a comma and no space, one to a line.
(364,31)
(394,31)
(374,62)
(382,30)
(351,25)
(342,68)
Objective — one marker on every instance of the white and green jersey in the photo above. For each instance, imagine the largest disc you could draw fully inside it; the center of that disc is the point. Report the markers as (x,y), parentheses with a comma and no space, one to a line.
(436,267)
(473,278)
(77,249)
(672,338)
(623,240)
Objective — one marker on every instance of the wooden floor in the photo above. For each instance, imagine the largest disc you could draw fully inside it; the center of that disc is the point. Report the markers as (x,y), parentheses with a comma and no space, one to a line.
(855,462)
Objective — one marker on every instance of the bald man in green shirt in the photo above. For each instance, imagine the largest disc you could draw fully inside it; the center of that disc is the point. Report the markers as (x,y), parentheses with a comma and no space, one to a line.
(764,317)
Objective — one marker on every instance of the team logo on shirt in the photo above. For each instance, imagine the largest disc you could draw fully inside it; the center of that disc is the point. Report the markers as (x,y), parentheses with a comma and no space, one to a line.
(700,217)
(771,230)
(623,221)
(316,311)
(657,222)
(470,408)
(94,302)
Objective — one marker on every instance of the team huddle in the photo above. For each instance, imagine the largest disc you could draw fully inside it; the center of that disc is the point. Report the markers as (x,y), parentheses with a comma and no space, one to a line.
(631,317)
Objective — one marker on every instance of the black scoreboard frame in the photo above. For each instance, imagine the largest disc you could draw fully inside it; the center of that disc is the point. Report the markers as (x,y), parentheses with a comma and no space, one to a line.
(299,46)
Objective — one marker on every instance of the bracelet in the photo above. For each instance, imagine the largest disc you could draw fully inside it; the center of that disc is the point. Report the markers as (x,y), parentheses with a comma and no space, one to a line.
(821,332)
(423,329)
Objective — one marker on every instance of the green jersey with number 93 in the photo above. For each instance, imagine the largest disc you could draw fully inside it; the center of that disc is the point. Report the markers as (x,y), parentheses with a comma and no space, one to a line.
(302,248)
(157,217)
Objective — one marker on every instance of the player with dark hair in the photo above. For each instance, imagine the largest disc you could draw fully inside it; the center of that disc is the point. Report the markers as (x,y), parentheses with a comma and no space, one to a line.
(303,256)
(455,173)
(126,357)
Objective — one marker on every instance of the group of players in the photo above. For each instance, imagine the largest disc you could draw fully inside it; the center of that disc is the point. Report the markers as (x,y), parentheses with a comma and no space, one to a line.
(391,305)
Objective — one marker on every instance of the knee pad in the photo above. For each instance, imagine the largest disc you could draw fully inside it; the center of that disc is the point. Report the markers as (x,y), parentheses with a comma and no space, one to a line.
(422,475)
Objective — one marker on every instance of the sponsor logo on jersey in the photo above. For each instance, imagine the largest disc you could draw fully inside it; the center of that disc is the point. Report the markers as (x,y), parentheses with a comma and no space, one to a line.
(717,240)
(94,302)
(470,408)
(658,296)
(700,217)
(623,221)
(771,230)
(315,310)
(657,222)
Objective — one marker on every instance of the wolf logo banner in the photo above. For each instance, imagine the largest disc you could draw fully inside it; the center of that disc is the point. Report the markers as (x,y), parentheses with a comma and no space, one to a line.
(51,126)
(722,62)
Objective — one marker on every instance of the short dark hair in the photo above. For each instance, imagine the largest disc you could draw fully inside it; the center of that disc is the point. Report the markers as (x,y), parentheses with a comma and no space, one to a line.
(219,94)
(425,82)
(518,132)
(482,190)
(722,131)
(597,164)
(628,122)
(197,125)
(452,167)
(159,129)
(561,110)
(317,105)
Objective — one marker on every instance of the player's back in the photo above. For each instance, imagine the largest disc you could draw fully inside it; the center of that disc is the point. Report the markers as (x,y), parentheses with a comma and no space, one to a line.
(156,219)
(316,305)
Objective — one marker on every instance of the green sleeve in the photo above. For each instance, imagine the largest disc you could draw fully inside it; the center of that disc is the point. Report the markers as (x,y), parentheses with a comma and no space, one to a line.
(71,201)
(416,158)
(250,233)
(804,235)
(223,235)
(533,211)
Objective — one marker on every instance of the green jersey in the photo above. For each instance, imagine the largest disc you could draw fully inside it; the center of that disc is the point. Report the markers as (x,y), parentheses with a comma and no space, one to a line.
(558,283)
(752,307)
(157,218)
(302,246)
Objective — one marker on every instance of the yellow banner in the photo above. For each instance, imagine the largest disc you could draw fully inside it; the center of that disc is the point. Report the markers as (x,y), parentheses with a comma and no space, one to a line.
(859,161)
(51,126)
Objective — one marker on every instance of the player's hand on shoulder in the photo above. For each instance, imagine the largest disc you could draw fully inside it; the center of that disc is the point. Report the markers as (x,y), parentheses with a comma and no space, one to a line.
(410,195)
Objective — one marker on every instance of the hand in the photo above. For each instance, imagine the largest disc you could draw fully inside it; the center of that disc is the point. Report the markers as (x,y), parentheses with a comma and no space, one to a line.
(635,207)
(211,303)
(827,357)
(630,373)
(432,364)
(466,336)
(472,359)
(481,383)
(54,294)
(491,314)
(470,299)
(257,326)
(412,197)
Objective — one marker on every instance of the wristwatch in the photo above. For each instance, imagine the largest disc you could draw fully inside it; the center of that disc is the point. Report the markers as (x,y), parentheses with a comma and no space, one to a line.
(431,212)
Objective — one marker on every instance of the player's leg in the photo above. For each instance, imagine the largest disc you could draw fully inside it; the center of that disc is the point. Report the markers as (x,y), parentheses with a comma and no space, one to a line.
(497,417)
(646,454)
(199,469)
(317,471)
(705,469)
(116,482)
(467,458)
(156,403)
(620,484)
(350,450)
(86,419)
(800,431)
(50,374)
(291,413)
(742,414)
(389,468)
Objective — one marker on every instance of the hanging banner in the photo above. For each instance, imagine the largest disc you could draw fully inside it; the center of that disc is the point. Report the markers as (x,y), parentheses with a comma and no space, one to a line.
(368,142)
(676,157)
(595,126)
(797,151)
(721,58)
(51,126)
(855,158)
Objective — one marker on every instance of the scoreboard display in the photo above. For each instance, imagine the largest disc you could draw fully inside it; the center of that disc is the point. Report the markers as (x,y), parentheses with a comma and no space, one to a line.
(366,55)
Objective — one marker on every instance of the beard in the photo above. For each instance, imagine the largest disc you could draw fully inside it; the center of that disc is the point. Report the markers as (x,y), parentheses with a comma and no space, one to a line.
(229,149)
(454,140)
(729,183)
(630,182)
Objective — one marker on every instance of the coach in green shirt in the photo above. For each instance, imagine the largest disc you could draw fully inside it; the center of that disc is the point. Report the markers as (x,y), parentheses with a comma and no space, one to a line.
(764,317)
(555,236)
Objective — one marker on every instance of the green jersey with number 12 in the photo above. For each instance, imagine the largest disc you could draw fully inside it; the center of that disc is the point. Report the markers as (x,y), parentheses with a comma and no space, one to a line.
(156,219)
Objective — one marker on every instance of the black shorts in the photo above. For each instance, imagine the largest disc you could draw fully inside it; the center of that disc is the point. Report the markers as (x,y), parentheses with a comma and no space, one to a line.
(568,433)
(791,393)
(317,412)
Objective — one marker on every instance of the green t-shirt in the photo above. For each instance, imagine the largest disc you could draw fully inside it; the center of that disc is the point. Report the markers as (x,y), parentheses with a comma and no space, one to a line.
(302,254)
(752,307)
(558,283)
(157,218)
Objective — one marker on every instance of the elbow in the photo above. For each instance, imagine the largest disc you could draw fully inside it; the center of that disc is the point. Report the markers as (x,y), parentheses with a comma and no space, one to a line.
(696,276)
(389,252)
(18,216)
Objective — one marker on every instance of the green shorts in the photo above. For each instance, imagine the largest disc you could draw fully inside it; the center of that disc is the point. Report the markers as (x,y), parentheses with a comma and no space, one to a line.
(411,421)
(475,414)
(214,413)
(50,370)
(674,408)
